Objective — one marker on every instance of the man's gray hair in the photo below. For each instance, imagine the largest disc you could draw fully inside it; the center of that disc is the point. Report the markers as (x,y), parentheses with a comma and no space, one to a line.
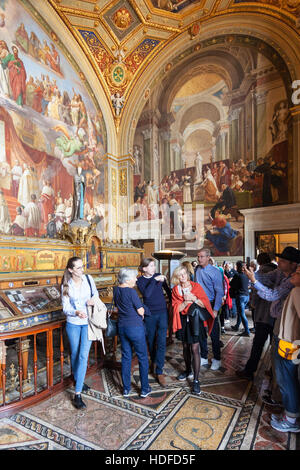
(206,250)
(126,274)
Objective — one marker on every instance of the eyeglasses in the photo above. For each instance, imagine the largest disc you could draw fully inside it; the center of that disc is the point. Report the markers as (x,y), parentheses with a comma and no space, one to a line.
(78,267)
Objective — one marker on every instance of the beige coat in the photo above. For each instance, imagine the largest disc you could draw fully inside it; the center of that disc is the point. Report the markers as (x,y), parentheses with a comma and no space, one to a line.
(97,321)
(289,329)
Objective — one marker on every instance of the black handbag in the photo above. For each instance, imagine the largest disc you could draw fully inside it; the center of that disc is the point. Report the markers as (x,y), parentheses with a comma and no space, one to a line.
(112,328)
(112,325)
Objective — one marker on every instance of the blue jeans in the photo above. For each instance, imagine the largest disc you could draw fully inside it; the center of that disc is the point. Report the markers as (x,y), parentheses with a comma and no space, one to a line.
(215,341)
(233,310)
(80,348)
(156,330)
(134,336)
(241,302)
(288,383)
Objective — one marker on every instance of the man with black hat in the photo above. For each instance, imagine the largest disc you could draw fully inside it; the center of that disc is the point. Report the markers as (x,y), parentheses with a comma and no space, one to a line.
(275,287)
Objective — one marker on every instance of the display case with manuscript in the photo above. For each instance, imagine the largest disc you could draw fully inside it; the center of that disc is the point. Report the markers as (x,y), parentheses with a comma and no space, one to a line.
(34,351)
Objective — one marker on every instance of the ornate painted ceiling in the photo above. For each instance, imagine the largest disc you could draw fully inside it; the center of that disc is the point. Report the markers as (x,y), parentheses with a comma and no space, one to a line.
(121,37)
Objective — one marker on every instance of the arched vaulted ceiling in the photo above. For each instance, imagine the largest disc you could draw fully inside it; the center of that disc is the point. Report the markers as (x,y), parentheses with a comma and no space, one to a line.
(201,110)
(222,63)
(121,38)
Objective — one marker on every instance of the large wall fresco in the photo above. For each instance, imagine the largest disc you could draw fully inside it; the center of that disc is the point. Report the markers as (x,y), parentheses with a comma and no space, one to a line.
(49,126)
(215,159)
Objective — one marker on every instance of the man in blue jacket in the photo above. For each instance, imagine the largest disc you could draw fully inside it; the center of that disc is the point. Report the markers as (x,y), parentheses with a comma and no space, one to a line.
(210,279)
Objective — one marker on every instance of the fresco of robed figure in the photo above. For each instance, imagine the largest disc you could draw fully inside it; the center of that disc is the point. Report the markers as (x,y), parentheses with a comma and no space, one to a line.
(48,127)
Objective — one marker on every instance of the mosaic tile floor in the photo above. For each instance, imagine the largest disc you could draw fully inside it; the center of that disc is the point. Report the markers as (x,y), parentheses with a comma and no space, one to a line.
(228,414)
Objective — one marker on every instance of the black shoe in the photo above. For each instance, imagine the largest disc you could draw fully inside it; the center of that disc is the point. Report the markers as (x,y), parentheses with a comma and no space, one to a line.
(185,375)
(267,398)
(196,388)
(245,334)
(234,328)
(78,403)
(86,388)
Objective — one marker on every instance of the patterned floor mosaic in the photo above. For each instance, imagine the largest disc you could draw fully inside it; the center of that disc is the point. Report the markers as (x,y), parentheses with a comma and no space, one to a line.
(227,415)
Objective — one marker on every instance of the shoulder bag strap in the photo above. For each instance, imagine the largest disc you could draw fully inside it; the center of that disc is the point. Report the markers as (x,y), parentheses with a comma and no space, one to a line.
(88,279)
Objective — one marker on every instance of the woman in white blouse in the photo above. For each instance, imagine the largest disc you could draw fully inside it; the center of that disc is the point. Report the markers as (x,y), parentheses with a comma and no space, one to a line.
(77,292)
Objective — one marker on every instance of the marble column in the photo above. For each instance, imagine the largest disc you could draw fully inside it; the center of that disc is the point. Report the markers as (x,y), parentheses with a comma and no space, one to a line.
(261,131)
(235,153)
(147,154)
(253,125)
(165,137)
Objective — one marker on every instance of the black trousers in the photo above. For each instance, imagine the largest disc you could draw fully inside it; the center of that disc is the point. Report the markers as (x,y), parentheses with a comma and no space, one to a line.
(262,331)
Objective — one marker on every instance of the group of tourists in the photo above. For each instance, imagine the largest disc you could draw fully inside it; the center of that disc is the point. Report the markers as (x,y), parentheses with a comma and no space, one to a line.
(200,300)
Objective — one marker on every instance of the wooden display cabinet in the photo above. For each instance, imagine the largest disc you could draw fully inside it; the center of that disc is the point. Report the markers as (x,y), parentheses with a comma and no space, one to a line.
(31,318)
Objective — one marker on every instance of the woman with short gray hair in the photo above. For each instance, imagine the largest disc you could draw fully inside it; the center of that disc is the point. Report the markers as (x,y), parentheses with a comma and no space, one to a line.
(131,330)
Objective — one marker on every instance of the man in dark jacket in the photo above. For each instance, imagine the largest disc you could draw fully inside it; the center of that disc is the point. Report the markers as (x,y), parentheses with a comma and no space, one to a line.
(264,323)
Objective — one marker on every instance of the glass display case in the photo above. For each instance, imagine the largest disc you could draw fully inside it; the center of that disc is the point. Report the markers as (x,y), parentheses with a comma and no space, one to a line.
(25,303)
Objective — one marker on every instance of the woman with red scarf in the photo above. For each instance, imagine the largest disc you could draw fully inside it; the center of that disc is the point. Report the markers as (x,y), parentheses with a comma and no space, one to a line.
(185,294)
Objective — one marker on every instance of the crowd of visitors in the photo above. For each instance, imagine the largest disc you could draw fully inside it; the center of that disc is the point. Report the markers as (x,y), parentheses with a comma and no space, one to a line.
(203,300)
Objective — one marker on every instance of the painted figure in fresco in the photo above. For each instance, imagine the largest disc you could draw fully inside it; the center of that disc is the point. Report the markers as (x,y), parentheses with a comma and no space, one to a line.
(198,166)
(60,213)
(226,201)
(137,160)
(67,146)
(32,218)
(18,226)
(222,235)
(4,215)
(34,45)
(186,189)
(26,186)
(16,173)
(17,77)
(279,125)
(51,231)
(22,38)
(5,56)
(79,193)
(53,59)
(47,201)
(117,102)
(75,109)
(211,189)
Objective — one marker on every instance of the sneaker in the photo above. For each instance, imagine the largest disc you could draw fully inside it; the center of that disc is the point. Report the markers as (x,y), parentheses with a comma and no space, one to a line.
(283,425)
(78,403)
(196,387)
(126,393)
(235,328)
(185,375)
(245,333)
(144,394)
(215,364)
(204,362)
(276,417)
(223,330)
